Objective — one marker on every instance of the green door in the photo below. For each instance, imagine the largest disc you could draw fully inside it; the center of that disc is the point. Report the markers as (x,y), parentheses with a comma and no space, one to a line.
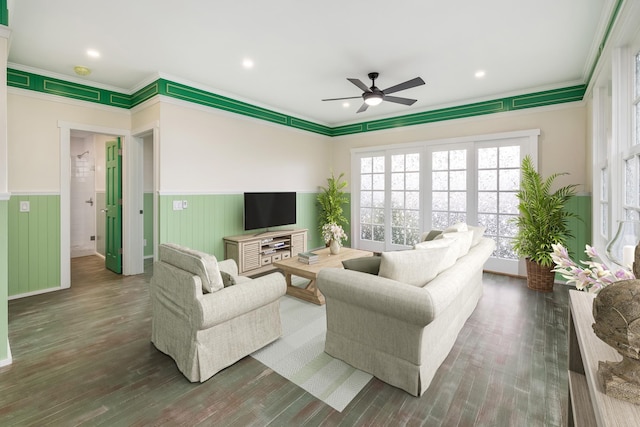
(113,227)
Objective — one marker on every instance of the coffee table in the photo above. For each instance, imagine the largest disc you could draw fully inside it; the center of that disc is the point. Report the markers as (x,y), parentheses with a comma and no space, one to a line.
(293,267)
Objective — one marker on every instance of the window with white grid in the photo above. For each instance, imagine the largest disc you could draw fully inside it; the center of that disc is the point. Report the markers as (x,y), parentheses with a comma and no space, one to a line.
(604,202)
(631,205)
(372,198)
(405,199)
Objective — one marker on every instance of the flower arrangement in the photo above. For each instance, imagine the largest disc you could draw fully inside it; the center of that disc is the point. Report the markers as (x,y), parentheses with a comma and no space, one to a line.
(594,277)
(333,231)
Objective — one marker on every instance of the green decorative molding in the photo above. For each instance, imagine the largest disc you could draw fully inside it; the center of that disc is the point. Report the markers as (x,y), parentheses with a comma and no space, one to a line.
(605,37)
(537,99)
(4,20)
(34,244)
(39,83)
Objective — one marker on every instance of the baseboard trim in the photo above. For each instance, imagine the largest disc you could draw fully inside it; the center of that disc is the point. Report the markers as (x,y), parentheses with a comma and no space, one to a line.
(30,294)
(9,360)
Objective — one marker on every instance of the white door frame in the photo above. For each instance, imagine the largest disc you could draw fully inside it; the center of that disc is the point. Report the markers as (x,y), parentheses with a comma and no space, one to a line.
(132,259)
(137,188)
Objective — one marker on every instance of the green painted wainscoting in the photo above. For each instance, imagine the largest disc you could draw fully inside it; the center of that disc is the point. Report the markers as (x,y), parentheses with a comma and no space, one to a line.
(34,244)
(580,228)
(210,218)
(148,224)
(4,290)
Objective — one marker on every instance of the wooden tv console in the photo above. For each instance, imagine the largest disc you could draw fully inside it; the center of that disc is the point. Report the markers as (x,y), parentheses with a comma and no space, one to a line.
(256,253)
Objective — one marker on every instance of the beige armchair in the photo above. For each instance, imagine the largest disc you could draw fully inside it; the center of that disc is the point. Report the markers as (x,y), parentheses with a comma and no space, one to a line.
(204,332)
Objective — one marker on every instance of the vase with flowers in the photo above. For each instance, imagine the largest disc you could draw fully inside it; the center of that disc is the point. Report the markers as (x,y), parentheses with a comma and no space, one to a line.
(593,277)
(333,234)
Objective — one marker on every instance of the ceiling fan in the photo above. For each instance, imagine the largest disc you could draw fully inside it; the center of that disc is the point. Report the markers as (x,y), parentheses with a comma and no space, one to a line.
(374,96)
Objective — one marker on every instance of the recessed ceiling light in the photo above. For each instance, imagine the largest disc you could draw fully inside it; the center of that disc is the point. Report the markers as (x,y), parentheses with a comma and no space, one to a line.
(346,104)
(480,74)
(247,63)
(93,53)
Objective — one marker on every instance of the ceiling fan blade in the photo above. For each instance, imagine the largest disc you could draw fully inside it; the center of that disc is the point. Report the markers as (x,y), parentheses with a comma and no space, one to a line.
(398,100)
(361,85)
(363,107)
(339,99)
(406,85)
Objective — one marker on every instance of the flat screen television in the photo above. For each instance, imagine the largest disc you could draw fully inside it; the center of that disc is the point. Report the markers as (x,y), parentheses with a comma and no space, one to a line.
(263,210)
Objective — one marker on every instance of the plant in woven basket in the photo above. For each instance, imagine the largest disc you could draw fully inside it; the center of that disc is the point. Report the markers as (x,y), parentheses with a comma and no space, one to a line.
(543,219)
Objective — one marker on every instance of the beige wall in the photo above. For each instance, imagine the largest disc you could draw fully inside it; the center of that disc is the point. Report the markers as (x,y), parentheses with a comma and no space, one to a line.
(562,142)
(210,151)
(34,137)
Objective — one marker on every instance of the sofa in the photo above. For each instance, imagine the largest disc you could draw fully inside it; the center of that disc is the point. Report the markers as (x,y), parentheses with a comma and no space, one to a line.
(400,324)
(205,316)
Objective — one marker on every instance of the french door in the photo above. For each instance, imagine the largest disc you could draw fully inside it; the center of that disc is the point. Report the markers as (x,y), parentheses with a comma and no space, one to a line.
(389,200)
(399,193)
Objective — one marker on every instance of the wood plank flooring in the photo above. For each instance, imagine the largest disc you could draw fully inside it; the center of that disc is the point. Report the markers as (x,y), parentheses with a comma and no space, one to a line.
(83,356)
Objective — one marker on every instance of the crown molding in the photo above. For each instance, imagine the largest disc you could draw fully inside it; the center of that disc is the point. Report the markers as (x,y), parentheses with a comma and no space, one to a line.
(64,100)
(20,78)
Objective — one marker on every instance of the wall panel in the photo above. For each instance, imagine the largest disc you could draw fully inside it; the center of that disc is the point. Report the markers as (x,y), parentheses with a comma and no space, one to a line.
(34,239)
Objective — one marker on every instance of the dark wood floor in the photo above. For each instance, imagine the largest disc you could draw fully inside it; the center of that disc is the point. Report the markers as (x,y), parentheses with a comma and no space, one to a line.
(83,356)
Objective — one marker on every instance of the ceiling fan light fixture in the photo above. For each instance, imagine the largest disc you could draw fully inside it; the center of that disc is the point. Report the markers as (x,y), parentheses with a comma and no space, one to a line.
(372,99)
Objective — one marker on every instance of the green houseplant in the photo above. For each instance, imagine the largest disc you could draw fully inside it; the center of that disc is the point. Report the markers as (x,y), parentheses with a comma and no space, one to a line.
(543,222)
(331,199)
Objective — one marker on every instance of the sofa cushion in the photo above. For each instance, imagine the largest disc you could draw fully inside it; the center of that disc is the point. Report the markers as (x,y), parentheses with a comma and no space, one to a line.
(199,263)
(413,267)
(365,264)
(464,239)
(449,255)
(478,232)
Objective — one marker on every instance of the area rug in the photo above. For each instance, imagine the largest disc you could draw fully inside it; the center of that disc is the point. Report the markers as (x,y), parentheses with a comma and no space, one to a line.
(299,356)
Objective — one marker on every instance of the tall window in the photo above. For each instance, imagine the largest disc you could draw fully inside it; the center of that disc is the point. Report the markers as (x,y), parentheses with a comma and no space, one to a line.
(604,202)
(632,158)
(636,102)
(405,199)
(448,188)
(498,182)
(372,198)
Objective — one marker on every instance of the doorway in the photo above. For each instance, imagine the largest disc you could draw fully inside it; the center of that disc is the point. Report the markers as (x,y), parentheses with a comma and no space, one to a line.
(88,189)
(133,198)
(84,160)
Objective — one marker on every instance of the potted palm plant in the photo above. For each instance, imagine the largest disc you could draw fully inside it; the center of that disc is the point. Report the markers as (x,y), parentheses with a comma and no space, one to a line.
(543,222)
(331,199)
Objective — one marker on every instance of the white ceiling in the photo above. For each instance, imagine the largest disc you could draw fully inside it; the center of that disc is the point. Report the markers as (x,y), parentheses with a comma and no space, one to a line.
(304,50)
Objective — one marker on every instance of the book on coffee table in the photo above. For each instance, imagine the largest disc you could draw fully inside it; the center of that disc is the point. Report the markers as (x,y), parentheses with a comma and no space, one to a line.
(308,257)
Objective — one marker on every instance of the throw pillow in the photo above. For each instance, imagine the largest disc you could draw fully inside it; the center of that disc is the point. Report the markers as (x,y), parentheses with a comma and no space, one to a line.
(459,226)
(449,254)
(478,232)
(412,267)
(430,235)
(366,264)
(227,279)
(464,237)
(200,263)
